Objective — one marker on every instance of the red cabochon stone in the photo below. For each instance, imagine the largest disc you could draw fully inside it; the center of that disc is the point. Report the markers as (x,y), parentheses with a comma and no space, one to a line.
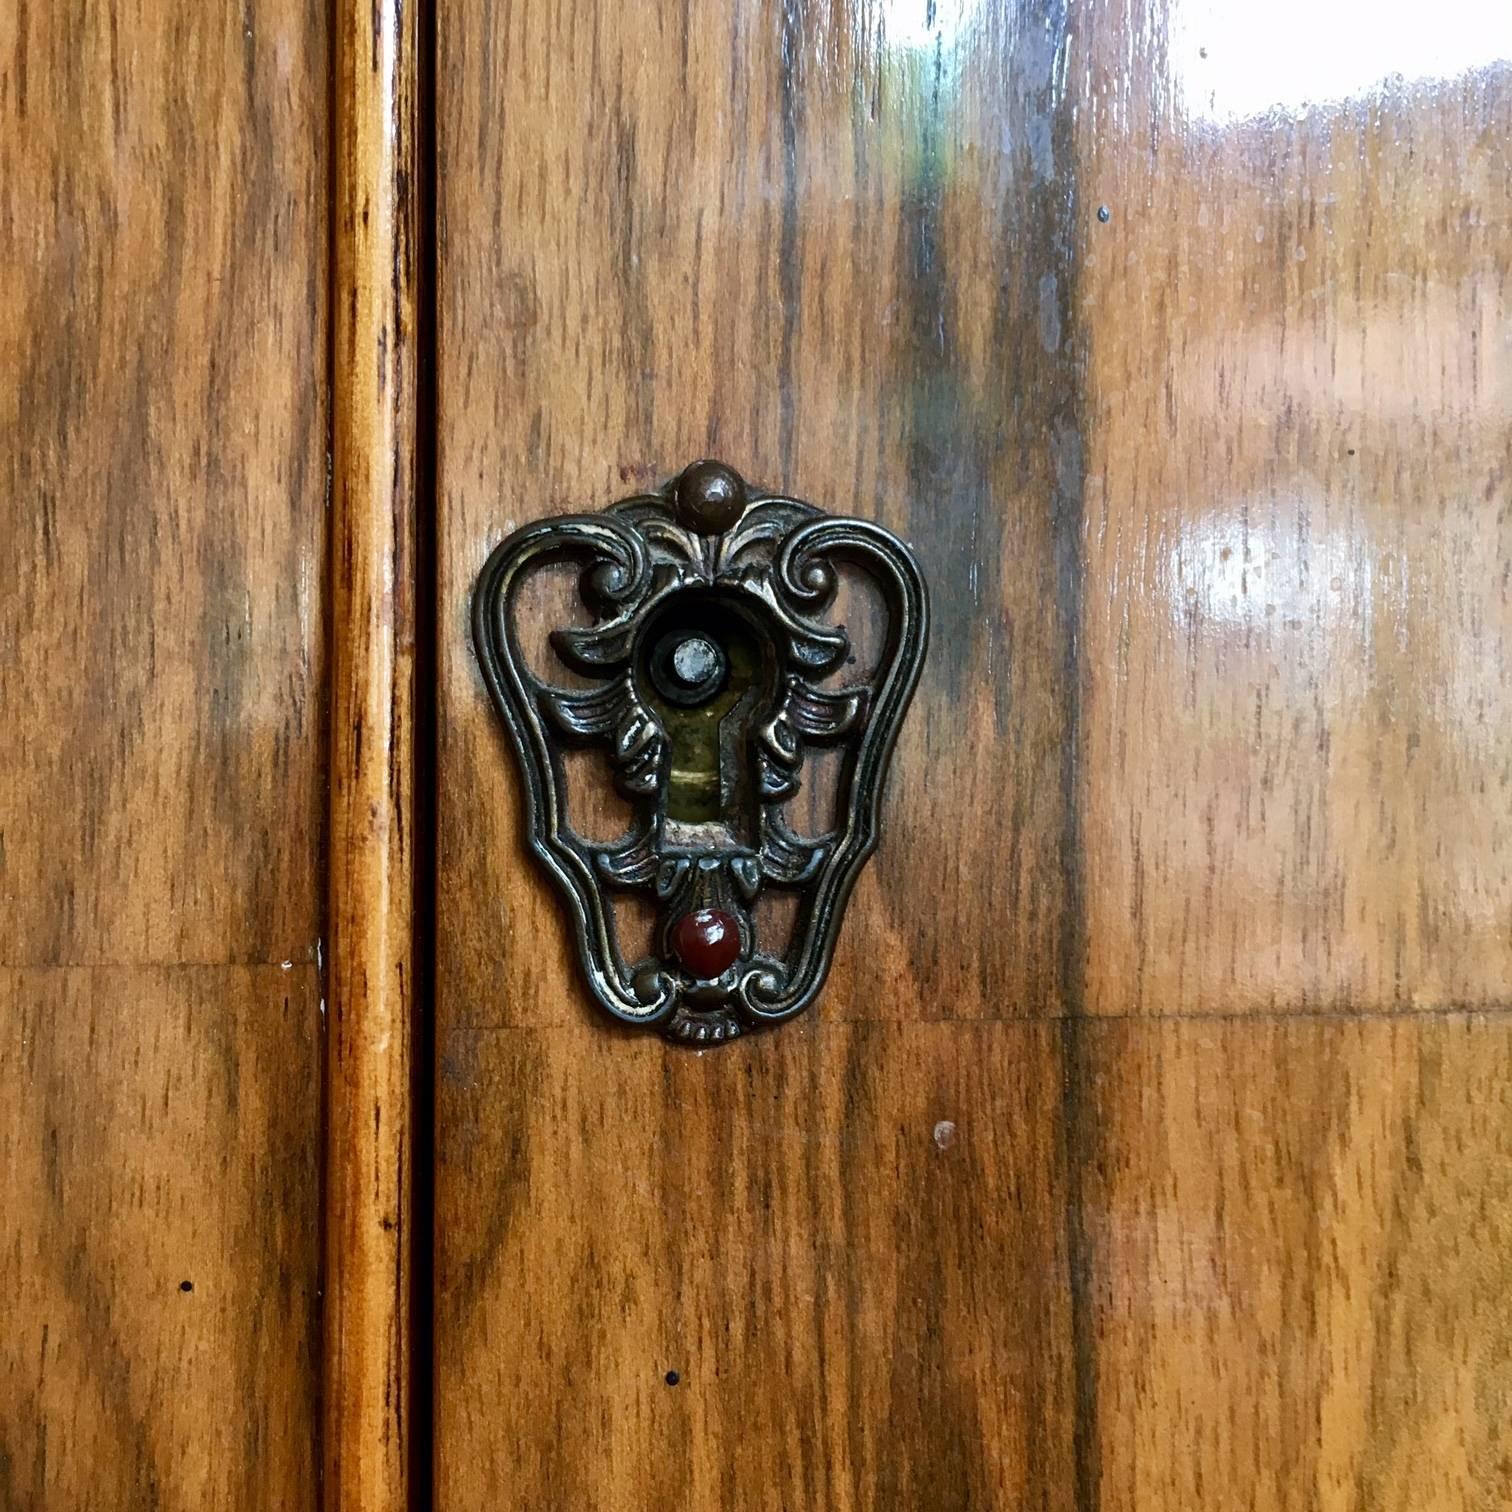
(706,941)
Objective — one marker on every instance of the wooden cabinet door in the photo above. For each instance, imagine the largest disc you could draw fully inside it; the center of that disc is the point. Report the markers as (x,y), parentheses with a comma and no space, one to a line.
(163,417)
(1149,1147)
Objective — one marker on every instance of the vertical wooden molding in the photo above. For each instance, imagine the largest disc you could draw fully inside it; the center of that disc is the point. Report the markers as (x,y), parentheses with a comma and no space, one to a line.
(367,1366)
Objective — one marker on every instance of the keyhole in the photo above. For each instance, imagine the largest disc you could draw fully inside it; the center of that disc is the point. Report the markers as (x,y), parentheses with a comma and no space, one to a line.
(689,668)
(704,671)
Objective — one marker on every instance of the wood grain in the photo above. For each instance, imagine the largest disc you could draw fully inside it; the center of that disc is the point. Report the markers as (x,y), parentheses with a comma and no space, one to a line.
(777,238)
(822,1270)
(805,252)
(1250,1263)
(369,1124)
(1298,660)
(160,605)
(1292,799)
(1299,1234)
(158,1135)
(163,328)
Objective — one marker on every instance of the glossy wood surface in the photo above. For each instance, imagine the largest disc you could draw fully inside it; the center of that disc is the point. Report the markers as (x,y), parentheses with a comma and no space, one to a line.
(369,1136)
(1104,1175)
(159,1138)
(1295,1235)
(1296,786)
(162,437)
(768,241)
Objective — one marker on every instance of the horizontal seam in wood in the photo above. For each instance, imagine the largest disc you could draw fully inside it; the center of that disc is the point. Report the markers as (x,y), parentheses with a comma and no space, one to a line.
(1266,1016)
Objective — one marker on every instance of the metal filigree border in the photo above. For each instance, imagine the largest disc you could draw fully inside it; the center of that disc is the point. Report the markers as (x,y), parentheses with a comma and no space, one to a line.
(774,558)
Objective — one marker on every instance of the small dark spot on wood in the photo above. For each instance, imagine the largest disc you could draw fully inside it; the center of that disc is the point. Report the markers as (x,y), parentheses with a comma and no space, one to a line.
(1104,214)
(1351,451)
(186,1286)
(673,1378)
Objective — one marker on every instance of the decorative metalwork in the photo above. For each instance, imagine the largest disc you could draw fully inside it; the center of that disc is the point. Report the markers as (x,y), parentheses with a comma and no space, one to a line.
(710,669)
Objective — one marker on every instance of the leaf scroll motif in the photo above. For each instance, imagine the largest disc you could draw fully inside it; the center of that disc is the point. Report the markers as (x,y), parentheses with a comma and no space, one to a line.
(819,714)
(614,712)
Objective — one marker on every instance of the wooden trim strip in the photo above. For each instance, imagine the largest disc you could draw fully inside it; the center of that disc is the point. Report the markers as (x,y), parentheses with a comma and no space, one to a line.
(370,1031)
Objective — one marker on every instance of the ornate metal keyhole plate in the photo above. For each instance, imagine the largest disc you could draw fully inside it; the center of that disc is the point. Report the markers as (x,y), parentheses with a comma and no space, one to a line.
(711,666)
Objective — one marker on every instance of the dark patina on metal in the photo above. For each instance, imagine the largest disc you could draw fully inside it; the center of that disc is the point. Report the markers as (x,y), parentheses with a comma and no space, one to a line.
(711,666)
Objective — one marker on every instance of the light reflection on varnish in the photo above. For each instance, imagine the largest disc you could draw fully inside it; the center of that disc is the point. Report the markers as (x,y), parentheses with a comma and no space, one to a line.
(1296,605)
